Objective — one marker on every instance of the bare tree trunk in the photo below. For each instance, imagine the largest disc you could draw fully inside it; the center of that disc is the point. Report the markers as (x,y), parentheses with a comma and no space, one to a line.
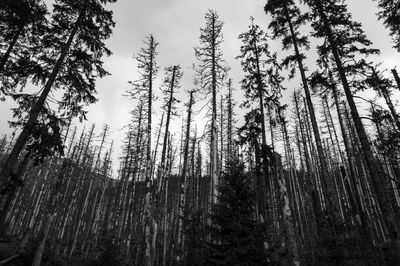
(169,109)
(221,134)
(230,122)
(183,181)
(148,216)
(157,143)
(214,147)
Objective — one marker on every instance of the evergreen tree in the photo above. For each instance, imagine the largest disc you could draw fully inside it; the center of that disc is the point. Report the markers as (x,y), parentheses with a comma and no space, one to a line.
(254,52)
(390,14)
(22,25)
(238,239)
(194,247)
(262,83)
(383,87)
(79,30)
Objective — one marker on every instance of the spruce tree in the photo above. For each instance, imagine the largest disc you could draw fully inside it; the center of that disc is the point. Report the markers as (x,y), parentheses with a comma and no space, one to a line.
(76,45)
(390,14)
(23,23)
(238,239)
(383,87)
(254,52)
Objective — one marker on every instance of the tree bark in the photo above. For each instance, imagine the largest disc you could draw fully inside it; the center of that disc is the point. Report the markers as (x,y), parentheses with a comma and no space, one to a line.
(148,216)
(396,77)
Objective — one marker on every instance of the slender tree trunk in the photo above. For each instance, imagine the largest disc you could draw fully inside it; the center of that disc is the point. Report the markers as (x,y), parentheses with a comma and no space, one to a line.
(187,137)
(169,108)
(396,77)
(214,148)
(148,216)
(157,143)
(221,128)
(230,121)
(183,181)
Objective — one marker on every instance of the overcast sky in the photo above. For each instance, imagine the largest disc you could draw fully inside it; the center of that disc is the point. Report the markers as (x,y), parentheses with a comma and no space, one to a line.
(175,24)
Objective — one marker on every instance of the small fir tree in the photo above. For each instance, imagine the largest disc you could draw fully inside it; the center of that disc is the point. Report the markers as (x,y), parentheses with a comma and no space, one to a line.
(237,238)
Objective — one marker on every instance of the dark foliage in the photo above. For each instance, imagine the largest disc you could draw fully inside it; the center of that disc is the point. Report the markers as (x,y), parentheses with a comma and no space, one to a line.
(108,254)
(194,236)
(238,239)
(390,14)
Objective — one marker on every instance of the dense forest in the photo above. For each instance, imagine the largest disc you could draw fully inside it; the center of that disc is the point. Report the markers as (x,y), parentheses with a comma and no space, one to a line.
(313,180)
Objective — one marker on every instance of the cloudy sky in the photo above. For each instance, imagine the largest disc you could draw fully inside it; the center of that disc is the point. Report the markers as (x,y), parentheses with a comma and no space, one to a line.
(175,24)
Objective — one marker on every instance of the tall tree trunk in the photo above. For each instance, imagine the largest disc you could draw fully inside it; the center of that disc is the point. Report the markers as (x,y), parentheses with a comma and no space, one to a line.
(214,147)
(230,122)
(148,216)
(183,181)
(169,108)
(157,143)
(221,134)
(187,136)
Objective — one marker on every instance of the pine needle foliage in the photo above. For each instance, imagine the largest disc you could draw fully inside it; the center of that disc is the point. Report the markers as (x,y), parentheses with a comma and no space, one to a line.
(238,238)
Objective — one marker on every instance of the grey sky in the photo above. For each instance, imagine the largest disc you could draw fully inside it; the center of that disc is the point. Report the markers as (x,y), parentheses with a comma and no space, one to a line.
(175,25)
